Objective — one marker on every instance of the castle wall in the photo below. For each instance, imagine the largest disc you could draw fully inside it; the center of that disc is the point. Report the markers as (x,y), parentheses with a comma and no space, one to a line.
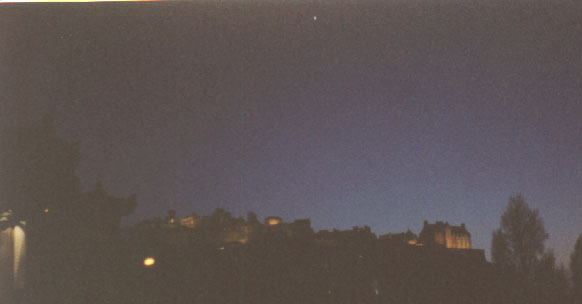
(450,239)
(459,242)
(439,238)
(443,234)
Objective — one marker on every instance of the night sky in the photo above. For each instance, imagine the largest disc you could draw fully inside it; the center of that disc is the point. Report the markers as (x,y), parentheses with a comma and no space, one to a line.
(379,113)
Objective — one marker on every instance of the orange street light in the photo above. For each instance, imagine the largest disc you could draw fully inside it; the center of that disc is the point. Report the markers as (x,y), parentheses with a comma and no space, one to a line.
(149,262)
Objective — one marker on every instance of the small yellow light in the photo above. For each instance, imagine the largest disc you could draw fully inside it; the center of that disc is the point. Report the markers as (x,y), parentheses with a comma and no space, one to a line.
(46,210)
(149,262)
(273,222)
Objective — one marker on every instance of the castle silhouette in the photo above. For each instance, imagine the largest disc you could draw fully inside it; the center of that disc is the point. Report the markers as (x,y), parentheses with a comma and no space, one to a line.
(439,234)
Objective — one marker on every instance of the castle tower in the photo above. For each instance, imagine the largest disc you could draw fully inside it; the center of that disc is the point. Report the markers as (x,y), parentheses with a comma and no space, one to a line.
(443,234)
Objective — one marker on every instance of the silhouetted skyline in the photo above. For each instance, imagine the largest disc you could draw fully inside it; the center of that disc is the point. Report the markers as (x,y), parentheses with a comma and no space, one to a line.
(370,114)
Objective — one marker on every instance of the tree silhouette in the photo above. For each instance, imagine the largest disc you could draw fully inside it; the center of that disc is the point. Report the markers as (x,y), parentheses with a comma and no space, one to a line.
(39,184)
(549,281)
(519,241)
(37,171)
(70,235)
(576,268)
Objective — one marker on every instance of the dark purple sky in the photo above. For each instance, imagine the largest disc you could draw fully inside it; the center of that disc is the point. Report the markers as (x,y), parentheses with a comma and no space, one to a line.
(374,114)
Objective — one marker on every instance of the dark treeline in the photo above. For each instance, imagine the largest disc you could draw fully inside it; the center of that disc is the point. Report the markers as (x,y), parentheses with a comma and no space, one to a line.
(77,253)
(526,271)
(70,252)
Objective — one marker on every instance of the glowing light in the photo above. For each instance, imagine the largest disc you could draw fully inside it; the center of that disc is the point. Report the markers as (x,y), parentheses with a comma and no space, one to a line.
(46,210)
(314,18)
(273,222)
(149,262)
(187,221)
(19,254)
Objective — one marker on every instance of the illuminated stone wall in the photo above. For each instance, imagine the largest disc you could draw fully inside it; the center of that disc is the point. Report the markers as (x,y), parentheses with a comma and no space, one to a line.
(443,234)
(456,239)
(439,238)
(459,242)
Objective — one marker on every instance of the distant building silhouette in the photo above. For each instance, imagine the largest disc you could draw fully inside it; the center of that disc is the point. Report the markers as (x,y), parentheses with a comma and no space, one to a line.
(300,228)
(193,220)
(443,234)
(241,231)
(440,234)
(229,259)
(407,237)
